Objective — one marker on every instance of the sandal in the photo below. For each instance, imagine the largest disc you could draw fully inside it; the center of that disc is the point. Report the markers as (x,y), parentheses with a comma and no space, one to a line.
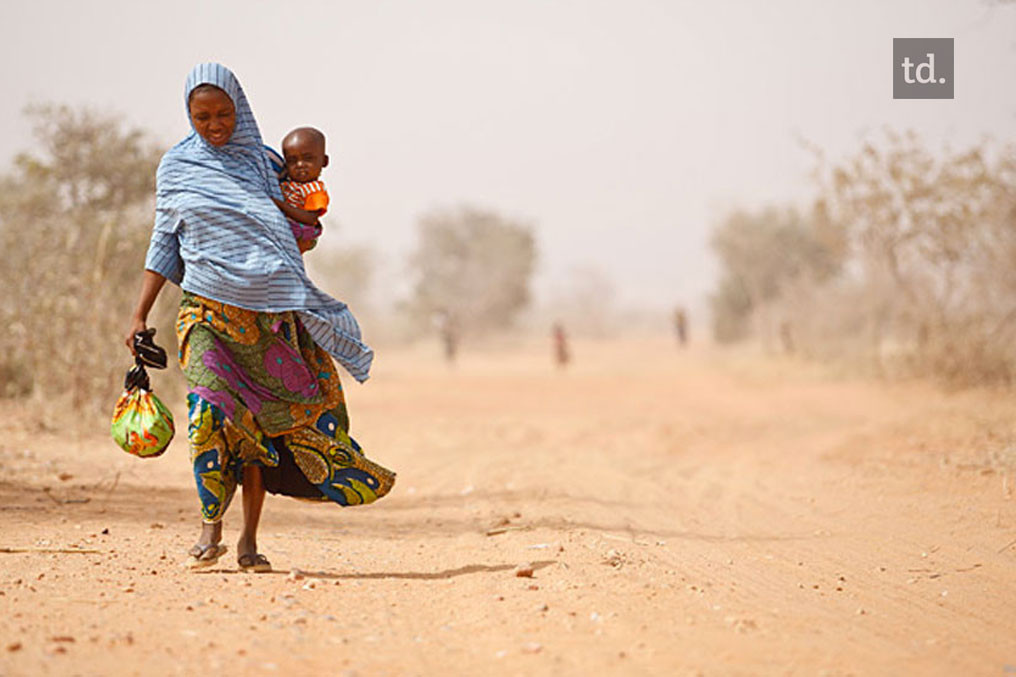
(205,557)
(254,564)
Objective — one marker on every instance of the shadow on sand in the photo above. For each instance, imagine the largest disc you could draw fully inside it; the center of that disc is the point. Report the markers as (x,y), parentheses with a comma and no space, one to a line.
(393,575)
(385,520)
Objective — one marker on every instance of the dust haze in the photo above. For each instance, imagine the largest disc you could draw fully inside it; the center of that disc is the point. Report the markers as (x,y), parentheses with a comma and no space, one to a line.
(694,347)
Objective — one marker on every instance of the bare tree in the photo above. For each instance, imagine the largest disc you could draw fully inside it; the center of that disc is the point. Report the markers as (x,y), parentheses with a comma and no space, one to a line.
(474,265)
(934,245)
(907,263)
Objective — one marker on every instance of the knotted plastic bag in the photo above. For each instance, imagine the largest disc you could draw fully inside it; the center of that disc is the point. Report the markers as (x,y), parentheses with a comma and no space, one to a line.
(142,425)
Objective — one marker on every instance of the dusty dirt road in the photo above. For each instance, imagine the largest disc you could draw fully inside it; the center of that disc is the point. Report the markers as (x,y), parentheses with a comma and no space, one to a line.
(684,513)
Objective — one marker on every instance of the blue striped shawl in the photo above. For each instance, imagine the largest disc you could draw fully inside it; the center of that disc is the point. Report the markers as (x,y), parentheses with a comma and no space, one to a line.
(218,234)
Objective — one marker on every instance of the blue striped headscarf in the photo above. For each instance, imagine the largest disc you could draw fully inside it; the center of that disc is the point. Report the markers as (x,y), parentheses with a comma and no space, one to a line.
(218,234)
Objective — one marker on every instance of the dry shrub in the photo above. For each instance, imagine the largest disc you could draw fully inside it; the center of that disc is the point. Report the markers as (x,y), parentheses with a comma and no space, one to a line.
(934,250)
(928,284)
(75,219)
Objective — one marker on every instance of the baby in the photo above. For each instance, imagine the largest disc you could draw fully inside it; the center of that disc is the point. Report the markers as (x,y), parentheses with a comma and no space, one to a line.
(306,199)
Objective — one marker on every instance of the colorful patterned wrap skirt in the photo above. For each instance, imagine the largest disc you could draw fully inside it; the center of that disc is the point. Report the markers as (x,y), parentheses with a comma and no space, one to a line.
(260,391)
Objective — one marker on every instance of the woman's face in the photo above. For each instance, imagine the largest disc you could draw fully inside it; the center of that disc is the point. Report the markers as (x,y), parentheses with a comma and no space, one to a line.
(213,115)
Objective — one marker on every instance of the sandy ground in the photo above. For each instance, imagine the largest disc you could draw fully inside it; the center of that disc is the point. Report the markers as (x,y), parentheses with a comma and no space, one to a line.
(683,513)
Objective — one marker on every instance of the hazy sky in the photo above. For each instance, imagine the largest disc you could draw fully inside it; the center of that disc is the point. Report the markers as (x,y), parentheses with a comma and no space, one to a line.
(622,129)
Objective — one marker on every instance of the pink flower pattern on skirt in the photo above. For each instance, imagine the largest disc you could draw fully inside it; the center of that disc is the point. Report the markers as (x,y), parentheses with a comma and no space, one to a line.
(285,364)
(219,398)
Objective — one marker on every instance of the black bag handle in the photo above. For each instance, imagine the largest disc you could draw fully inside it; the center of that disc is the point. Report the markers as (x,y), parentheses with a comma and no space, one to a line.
(146,352)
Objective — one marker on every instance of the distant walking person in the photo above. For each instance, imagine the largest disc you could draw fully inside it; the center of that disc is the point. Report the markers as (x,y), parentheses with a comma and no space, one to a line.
(561,354)
(681,326)
(448,332)
(787,337)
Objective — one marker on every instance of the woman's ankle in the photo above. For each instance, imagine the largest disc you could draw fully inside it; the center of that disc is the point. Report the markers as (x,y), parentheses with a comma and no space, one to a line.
(211,532)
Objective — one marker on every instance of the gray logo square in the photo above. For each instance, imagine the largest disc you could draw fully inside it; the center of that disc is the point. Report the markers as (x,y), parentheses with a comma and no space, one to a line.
(923,68)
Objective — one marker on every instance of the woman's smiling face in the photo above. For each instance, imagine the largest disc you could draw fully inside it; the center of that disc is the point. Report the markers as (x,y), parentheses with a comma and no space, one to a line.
(213,114)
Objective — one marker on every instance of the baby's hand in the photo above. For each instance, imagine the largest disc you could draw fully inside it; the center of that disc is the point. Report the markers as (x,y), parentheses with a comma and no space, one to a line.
(296,214)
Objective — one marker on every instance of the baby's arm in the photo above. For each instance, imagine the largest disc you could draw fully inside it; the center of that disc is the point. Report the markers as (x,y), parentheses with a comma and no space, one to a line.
(304,216)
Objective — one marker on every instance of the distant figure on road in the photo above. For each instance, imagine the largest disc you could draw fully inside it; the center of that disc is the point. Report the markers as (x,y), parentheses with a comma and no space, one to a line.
(448,332)
(681,326)
(560,340)
(787,337)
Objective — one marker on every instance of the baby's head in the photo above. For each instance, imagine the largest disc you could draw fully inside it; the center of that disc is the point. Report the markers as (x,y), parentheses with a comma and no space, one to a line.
(304,151)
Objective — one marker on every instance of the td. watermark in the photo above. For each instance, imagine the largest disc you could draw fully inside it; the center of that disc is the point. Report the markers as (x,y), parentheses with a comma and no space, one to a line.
(923,68)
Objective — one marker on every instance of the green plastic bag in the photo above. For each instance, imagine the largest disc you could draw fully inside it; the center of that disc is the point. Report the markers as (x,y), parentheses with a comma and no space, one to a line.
(142,425)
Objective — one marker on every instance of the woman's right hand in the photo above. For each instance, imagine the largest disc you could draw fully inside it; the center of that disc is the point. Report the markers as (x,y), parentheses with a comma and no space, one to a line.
(137,324)
(151,283)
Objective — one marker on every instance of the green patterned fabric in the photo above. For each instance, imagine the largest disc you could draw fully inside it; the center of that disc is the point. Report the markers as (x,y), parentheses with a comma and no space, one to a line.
(142,425)
(261,391)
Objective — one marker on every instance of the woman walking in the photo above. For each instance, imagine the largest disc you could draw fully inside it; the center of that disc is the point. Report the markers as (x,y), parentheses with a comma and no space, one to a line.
(265,406)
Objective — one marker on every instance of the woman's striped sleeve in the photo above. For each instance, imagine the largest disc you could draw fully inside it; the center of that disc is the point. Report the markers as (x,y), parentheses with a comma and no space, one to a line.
(164,249)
